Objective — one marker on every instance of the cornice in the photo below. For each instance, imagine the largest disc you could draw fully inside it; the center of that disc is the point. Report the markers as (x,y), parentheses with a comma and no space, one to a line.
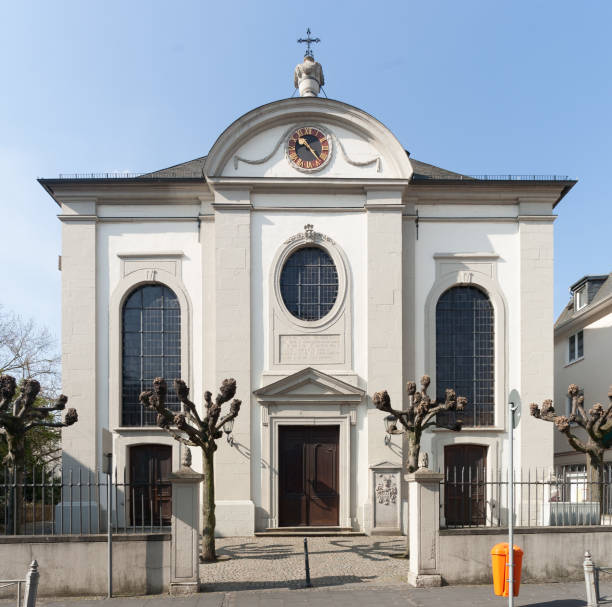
(459,256)
(119,191)
(148,254)
(540,218)
(491,192)
(307,184)
(78,218)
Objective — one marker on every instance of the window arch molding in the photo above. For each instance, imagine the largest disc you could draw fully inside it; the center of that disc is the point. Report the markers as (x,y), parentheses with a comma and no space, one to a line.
(122,291)
(294,343)
(489,286)
(310,238)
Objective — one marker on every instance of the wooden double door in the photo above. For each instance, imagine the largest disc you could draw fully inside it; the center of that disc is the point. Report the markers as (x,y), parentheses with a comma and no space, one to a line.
(308,476)
(150,490)
(465,495)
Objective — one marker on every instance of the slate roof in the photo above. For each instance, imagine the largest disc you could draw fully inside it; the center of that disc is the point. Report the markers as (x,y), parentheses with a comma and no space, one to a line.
(569,313)
(423,170)
(191,168)
(195,168)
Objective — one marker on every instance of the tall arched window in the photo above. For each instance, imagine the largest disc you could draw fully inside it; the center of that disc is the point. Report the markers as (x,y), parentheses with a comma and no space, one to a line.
(151,348)
(465,357)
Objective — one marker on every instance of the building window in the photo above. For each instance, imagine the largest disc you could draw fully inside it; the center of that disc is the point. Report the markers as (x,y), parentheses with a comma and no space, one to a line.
(465,357)
(580,298)
(309,283)
(575,347)
(151,348)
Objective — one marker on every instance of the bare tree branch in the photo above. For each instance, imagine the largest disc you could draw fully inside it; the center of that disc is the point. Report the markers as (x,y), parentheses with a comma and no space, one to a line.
(28,349)
(189,429)
(597,424)
(421,414)
(24,415)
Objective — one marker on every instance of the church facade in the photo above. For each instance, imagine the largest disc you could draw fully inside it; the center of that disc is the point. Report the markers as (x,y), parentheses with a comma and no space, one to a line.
(310,257)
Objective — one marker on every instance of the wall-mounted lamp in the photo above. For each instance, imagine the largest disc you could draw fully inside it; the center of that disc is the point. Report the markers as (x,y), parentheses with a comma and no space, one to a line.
(228,426)
(390,427)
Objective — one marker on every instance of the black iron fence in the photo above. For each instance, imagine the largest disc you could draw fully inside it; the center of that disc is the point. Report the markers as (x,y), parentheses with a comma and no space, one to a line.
(41,501)
(478,497)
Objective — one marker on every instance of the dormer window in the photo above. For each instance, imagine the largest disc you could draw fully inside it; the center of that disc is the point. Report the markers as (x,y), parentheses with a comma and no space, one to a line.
(580,298)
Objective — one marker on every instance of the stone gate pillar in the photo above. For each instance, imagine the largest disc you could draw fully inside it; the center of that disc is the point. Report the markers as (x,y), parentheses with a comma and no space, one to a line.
(424,527)
(185,545)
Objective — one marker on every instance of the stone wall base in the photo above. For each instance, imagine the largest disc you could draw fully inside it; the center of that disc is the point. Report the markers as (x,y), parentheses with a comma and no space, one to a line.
(184,588)
(235,518)
(422,580)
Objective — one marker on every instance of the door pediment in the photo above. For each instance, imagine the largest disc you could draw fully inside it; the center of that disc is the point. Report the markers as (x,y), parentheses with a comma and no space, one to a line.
(309,386)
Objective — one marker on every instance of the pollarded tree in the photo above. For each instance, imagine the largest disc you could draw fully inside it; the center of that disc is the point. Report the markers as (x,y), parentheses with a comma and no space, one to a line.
(20,415)
(421,414)
(191,430)
(598,426)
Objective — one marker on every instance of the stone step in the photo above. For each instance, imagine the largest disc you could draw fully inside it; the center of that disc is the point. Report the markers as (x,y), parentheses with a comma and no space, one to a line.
(307,532)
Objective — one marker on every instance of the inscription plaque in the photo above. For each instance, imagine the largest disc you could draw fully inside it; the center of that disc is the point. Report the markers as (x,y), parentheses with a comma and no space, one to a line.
(298,349)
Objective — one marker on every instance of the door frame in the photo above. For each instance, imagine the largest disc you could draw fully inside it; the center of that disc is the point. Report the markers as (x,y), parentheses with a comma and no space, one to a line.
(308,467)
(130,480)
(344,460)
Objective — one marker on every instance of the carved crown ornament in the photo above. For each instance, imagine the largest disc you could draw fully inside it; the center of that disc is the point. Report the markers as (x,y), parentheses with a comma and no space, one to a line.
(309,235)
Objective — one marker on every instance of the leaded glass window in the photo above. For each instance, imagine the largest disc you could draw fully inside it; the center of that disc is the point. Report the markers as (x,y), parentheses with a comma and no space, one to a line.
(151,348)
(465,352)
(309,283)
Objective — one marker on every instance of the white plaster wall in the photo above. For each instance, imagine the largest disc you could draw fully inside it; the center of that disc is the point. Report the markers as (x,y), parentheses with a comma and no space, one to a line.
(145,210)
(115,238)
(588,372)
(356,147)
(500,238)
(269,230)
(489,209)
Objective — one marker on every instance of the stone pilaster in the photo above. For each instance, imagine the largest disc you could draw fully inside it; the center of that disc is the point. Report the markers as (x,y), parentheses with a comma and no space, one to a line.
(235,510)
(185,546)
(79,333)
(537,346)
(385,319)
(385,314)
(424,528)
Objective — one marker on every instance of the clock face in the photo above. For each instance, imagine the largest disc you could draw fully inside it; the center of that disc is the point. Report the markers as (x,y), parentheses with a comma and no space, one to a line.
(308,148)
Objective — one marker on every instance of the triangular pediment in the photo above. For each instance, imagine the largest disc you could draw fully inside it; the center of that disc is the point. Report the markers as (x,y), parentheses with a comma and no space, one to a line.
(309,386)
(385,465)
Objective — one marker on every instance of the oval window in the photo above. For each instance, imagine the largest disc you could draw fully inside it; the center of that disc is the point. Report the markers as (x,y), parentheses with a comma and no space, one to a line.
(309,283)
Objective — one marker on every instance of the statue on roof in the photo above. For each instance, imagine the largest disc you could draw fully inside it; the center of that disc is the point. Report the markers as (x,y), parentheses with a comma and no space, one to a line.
(308,75)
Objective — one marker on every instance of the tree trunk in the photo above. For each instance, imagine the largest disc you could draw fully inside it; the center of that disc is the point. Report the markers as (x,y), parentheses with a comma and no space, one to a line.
(595,476)
(208,507)
(14,510)
(414,447)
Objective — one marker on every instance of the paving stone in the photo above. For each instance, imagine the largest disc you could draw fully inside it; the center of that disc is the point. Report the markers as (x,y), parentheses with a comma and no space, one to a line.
(278,562)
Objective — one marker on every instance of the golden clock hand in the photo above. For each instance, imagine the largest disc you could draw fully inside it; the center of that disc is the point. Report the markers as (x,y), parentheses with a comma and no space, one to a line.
(303,141)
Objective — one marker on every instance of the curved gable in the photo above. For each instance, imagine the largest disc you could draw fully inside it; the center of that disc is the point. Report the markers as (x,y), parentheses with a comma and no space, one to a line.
(255,145)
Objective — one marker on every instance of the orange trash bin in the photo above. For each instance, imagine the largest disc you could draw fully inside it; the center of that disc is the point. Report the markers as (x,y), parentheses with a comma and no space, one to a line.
(499,561)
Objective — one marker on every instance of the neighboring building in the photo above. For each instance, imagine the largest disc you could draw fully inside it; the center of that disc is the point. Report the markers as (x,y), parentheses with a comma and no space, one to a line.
(311,258)
(583,351)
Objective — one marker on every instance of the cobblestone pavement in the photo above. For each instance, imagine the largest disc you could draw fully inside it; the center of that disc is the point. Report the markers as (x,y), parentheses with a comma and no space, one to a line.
(278,562)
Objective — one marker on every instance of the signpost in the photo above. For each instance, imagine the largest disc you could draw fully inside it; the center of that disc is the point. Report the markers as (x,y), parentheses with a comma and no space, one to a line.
(514,407)
(107,468)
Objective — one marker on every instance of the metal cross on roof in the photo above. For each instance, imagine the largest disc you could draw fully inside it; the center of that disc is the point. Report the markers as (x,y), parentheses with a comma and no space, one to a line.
(308,41)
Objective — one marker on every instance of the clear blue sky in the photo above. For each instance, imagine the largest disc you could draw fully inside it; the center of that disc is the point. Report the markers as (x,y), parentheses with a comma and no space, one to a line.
(518,87)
